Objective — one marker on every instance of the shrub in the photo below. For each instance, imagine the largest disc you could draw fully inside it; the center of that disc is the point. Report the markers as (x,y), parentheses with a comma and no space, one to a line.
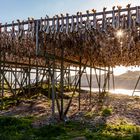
(136,136)
(107,112)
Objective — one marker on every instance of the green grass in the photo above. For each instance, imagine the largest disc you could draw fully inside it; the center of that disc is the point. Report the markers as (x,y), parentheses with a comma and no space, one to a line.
(12,128)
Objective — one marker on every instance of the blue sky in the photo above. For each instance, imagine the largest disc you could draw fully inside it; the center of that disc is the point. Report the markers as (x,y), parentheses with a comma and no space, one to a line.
(22,9)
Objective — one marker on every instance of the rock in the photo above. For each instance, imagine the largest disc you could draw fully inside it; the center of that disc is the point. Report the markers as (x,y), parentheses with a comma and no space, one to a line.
(100,120)
(79,138)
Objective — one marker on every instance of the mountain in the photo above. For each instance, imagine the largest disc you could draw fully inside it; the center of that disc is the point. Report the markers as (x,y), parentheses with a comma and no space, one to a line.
(124,81)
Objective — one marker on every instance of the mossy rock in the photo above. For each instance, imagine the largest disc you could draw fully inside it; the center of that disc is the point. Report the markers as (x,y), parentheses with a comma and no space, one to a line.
(79,138)
(107,112)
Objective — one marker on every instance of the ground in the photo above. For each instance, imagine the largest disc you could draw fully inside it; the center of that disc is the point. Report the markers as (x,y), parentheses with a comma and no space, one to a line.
(117,117)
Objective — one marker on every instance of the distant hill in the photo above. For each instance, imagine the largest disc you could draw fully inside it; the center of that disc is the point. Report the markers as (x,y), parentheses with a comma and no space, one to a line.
(123,81)
(130,75)
(127,80)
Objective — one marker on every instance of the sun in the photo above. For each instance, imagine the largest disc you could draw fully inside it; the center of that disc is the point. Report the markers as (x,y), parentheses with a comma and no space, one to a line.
(119,34)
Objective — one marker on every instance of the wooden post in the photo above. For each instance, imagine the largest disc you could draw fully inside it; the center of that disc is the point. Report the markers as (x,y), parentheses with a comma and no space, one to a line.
(53,94)
(136,85)
(15,79)
(53,86)
(29,77)
(37,51)
(69,78)
(105,77)
(79,97)
(0,61)
(49,85)
(104,20)
(113,79)
(62,83)
(75,76)
(137,14)
(2,78)
(99,82)
(108,79)
(129,17)
(70,101)
(113,17)
(90,83)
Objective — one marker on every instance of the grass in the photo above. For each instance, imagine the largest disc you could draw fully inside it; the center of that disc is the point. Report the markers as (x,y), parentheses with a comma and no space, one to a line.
(115,132)
(12,128)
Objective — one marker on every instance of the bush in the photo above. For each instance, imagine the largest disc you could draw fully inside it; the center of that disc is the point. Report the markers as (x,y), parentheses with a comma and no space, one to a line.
(136,136)
(107,112)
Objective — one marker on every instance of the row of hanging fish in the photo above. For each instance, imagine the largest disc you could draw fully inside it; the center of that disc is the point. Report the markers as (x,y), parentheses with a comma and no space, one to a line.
(91,36)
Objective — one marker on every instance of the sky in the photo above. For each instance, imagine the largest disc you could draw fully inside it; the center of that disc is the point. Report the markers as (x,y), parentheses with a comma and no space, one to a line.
(22,9)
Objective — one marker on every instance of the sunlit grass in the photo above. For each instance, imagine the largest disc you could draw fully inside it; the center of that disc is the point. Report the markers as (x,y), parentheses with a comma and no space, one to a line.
(21,129)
